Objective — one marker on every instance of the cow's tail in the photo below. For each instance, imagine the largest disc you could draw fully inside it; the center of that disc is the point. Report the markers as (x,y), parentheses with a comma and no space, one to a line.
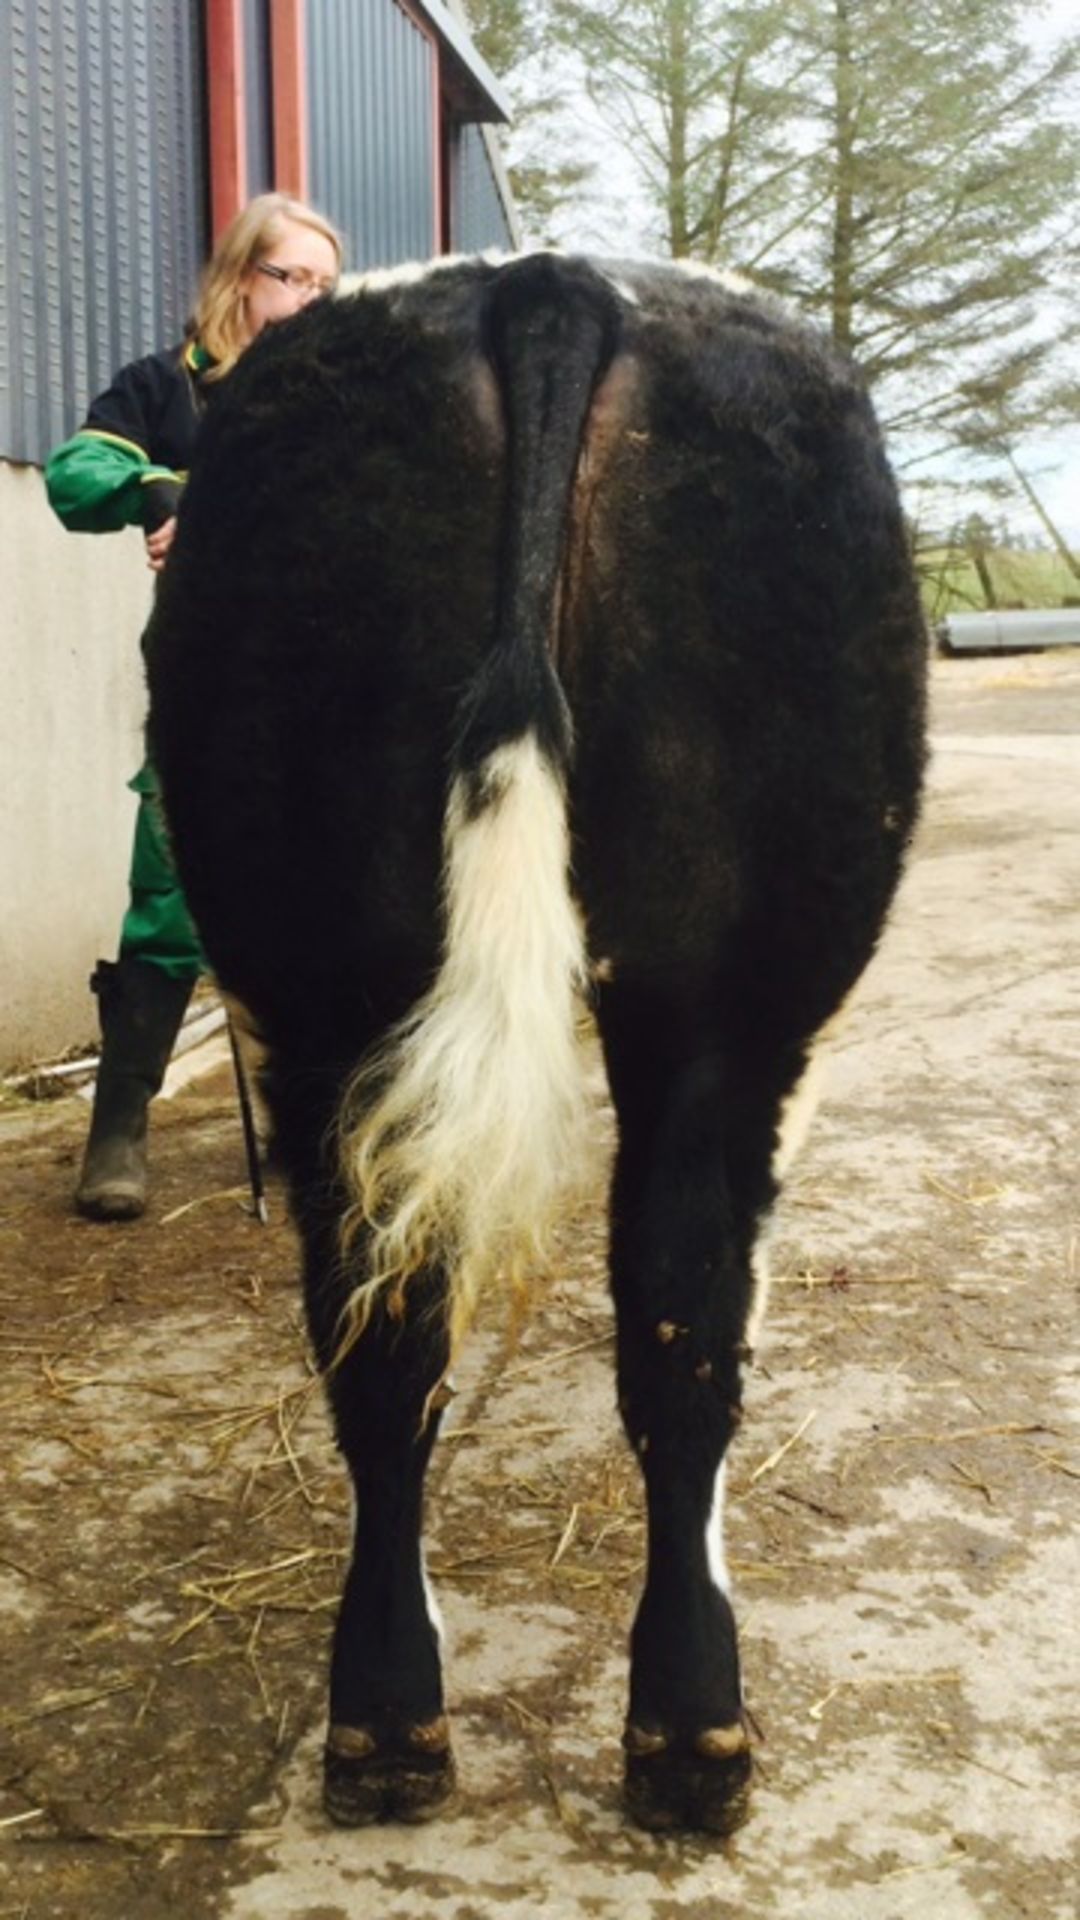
(461,1137)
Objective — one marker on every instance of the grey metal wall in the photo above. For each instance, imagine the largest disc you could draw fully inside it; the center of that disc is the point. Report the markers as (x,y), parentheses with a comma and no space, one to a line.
(102,200)
(477,214)
(258,97)
(371,109)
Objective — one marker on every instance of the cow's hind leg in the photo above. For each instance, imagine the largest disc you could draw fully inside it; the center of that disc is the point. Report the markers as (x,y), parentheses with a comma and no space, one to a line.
(387,1754)
(693,1179)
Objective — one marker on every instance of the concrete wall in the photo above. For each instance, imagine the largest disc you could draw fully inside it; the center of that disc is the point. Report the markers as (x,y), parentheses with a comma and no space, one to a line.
(71,710)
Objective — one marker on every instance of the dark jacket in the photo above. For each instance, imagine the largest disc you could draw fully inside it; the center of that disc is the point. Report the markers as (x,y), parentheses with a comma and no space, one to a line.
(129,460)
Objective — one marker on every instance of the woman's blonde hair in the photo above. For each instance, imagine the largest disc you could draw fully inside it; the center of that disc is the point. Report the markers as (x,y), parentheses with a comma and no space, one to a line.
(218,322)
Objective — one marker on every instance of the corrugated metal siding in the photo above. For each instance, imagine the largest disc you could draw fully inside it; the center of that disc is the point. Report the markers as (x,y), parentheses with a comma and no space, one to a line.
(477,215)
(371,110)
(102,200)
(258,97)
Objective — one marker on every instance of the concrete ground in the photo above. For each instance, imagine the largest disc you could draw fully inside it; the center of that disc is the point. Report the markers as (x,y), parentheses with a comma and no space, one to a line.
(902,1503)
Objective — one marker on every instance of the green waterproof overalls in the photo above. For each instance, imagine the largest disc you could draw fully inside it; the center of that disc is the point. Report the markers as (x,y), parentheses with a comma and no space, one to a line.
(126,467)
(157,926)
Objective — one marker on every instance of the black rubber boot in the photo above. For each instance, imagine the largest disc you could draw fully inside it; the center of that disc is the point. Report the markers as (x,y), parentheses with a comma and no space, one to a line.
(141,1008)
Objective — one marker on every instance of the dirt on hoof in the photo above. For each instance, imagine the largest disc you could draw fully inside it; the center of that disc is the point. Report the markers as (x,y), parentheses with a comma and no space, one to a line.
(679,1790)
(410,1778)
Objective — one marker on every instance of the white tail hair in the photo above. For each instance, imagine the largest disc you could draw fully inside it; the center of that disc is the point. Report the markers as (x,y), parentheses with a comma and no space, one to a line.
(461,1136)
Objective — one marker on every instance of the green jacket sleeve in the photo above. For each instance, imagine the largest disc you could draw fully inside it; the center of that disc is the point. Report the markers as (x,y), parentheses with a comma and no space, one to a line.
(96,483)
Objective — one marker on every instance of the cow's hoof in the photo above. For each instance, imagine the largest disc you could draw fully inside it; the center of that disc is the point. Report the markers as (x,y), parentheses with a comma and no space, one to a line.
(679,1785)
(407,1776)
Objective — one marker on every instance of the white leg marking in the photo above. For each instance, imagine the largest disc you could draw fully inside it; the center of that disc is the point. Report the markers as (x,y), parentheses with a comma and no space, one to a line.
(792,1128)
(431,1599)
(797,1112)
(759,1273)
(714,1535)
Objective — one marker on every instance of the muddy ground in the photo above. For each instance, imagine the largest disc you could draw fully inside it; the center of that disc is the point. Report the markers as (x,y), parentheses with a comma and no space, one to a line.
(902,1498)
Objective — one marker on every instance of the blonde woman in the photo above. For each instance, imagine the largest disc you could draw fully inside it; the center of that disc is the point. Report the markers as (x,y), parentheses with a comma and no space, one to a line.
(126,467)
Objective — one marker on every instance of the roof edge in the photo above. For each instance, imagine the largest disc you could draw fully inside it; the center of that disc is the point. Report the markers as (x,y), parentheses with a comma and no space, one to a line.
(450,25)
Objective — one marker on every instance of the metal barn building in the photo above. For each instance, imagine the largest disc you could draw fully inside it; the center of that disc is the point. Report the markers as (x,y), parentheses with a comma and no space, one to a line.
(133,129)
(130,132)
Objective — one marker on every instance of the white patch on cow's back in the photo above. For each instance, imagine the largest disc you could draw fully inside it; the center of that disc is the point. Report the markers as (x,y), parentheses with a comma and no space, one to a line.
(725,277)
(409,273)
(624,290)
(619,275)
(714,1535)
(382,279)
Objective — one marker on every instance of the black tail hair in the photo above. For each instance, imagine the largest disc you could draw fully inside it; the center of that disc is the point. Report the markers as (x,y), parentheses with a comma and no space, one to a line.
(551,329)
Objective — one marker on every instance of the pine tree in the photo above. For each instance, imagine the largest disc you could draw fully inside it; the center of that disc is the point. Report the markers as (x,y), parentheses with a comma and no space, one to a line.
(514,37)
(909,175)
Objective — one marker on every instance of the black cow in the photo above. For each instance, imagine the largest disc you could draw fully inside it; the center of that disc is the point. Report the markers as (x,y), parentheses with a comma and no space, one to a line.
(537,632)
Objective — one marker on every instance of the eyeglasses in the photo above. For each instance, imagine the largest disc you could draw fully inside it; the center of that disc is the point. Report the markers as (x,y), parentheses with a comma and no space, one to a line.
(297,279)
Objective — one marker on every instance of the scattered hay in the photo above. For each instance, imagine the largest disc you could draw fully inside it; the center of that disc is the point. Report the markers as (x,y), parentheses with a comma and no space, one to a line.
(282,1586)
(998,1773)
(938,1865)
(525,1715)
(151,1830)
(1000,1429)
(1053,1462)
(205,1200)
(781,1453)
(944,1438)
(867,1682)
(70,1700)
(975,1196)
(21,1819)
(565,1536)
(839,1279)
(561,1353)
(489,1430)
(972,1480)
